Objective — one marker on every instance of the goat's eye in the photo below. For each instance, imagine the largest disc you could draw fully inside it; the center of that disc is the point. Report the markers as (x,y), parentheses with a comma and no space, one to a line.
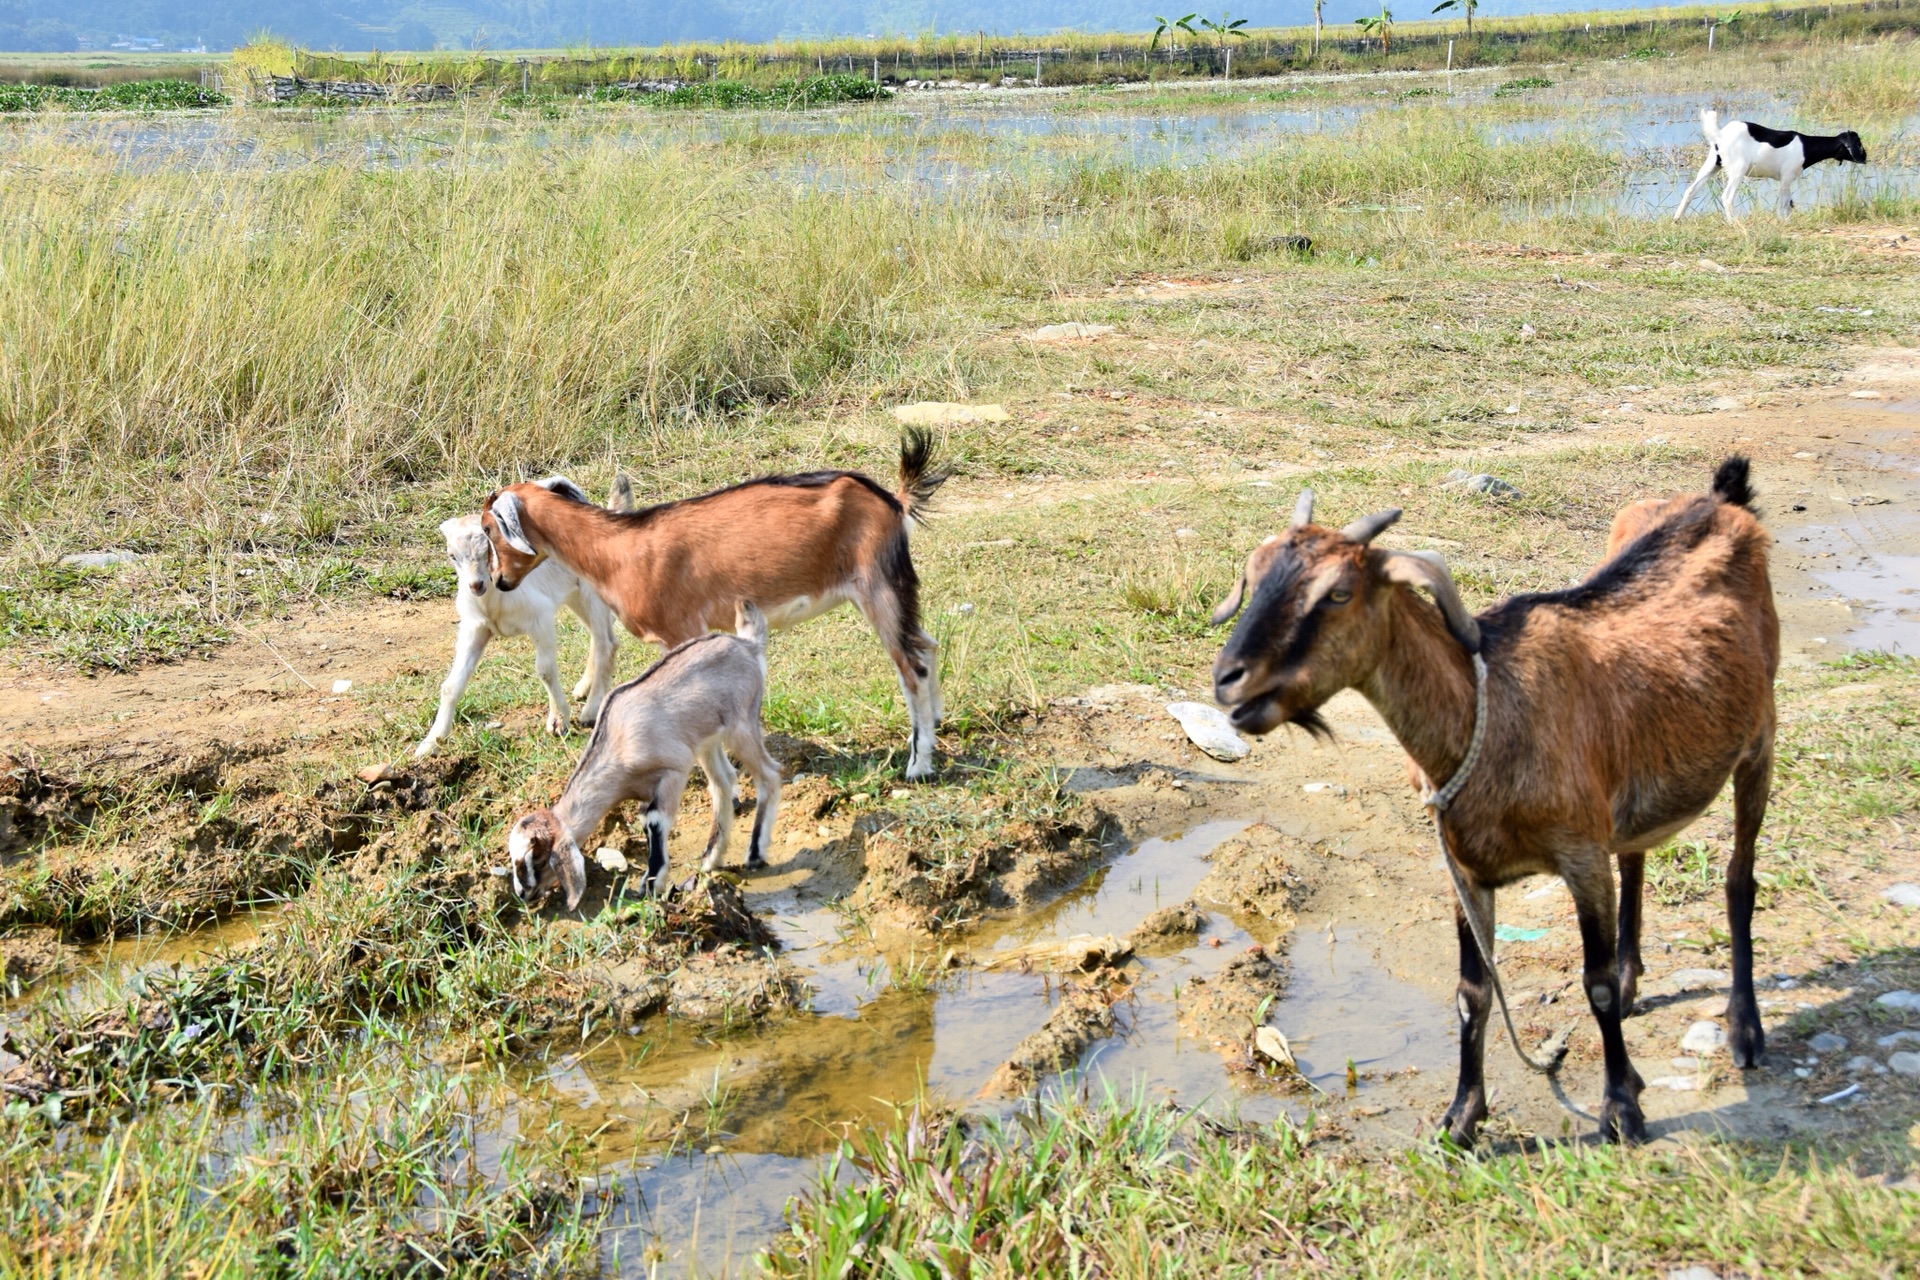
(1340,595)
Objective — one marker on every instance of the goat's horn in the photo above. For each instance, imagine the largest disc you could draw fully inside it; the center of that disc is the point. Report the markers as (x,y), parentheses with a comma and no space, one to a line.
(1303,509)
(1429,569)
(1367,528)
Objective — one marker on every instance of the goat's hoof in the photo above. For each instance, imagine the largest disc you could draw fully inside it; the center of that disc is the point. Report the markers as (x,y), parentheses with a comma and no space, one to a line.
(1461,1123)
(1621,1121)
(424,750)
(1748,1045)
(755,862)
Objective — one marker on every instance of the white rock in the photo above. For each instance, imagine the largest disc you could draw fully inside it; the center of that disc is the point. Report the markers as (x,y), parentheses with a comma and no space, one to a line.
(341,686)
(1209,729)
(1904,894)
(1069,332)
(1699,979)
(1900,1000)
(1316,788)
(1695,1272)
(1907,1064)
(1898,1038)
(1827,1042)
(933,413)
(1679,1084)
(99,559)
(610,859)
(1704,1037)
(1726,404)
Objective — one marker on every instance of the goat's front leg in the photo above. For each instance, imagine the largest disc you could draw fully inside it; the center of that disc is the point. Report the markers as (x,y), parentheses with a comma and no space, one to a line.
(1732,189)
(721,783)
(1472,999)
(1591,880)
(546,663)
(466,656)
(1633,870)
(1752,781)
(661,811)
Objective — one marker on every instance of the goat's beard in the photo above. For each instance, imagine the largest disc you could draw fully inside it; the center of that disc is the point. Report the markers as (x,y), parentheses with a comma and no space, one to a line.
(1261,715)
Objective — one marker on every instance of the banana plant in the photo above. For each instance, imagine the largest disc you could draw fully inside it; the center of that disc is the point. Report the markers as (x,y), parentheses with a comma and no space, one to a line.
(1381,26)
(1225,29)
(1465,6)
(1170,24)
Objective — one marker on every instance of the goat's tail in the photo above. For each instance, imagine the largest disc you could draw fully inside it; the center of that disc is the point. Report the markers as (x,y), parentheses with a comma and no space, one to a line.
(1730,483)
(918,481)
(620,497)
(1710,125)
(750,624)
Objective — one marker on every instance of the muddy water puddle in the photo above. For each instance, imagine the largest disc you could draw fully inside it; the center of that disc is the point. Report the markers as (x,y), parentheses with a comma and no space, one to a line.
(1847,546)
(705,1135)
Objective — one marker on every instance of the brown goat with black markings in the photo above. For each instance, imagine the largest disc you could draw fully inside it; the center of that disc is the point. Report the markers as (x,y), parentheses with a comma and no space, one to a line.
(1616,710)
(795,545)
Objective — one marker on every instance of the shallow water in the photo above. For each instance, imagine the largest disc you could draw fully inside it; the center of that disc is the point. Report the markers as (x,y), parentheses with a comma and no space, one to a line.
(706,1137)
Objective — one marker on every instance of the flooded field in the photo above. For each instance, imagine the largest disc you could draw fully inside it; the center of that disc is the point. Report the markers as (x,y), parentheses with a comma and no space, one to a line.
(271,1002)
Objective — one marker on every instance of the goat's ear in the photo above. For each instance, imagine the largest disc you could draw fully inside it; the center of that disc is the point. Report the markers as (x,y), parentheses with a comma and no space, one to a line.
(450,527)
(1367,528)
(506,514)
(571,863)
(564,487)
(1429,569)
(1231,605)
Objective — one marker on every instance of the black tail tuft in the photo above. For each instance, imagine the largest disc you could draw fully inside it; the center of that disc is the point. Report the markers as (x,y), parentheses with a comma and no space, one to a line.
(1730,483)
(917,483)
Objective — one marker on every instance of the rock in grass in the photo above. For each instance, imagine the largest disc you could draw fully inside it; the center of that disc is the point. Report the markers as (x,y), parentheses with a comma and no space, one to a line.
(1906,1064)
(1490,485)
(610,859)
(1209,729)
(936,413)
(1900,1000)
(1704,1037)
(1827,1042)
(99,559)
(1071,331)
(1904,894)
(1897,1038)
(1697,979)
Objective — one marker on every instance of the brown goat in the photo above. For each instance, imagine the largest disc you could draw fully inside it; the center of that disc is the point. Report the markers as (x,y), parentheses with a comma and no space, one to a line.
(795,545)
(1615,711)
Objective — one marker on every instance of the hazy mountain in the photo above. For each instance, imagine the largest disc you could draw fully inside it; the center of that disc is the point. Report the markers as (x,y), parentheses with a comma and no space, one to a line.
(546,24)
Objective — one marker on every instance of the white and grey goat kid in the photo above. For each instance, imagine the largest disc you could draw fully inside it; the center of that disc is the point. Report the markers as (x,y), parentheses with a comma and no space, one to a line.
(487,613)
(1745,149)
(697,703)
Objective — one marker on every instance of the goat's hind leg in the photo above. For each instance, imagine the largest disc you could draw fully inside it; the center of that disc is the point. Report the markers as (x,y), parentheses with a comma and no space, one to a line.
(892,608)
(1591,880)
(1752,783)
(1633,869)
(751,747)
(722,781)
(1473,999)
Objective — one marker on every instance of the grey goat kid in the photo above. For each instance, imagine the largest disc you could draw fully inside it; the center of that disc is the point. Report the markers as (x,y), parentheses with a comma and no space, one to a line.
(694,705)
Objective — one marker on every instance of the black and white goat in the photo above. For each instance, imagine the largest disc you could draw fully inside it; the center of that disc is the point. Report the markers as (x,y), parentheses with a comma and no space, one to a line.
(693,706)
(1746,149)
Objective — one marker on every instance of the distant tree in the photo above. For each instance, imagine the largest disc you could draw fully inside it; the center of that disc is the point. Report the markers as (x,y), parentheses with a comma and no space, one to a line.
(1381,26)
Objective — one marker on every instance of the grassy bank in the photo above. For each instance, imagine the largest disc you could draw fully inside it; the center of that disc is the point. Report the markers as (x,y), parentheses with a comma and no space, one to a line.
(1126,1188)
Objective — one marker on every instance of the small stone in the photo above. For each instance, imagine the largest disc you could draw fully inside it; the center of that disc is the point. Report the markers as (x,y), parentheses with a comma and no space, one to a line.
(1726,404)
(1183,533)
(1695,1272)
(1704,1037)
(378,773)
(1528,331)
(1678,1084)
(934,413)
(1316,788)
(1699,979)
(1802,1072)
(1906,1064)
(1482,483)
(1827,1042)
(1904,894)
(341,686)
(1900,1000)
(1859,1062)
(1898,1038)
(1209,729)
(99,559)
(610,859)
(1071,331)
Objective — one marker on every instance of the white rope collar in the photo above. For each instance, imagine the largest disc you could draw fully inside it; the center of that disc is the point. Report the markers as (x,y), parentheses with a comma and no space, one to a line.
(1437,802)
